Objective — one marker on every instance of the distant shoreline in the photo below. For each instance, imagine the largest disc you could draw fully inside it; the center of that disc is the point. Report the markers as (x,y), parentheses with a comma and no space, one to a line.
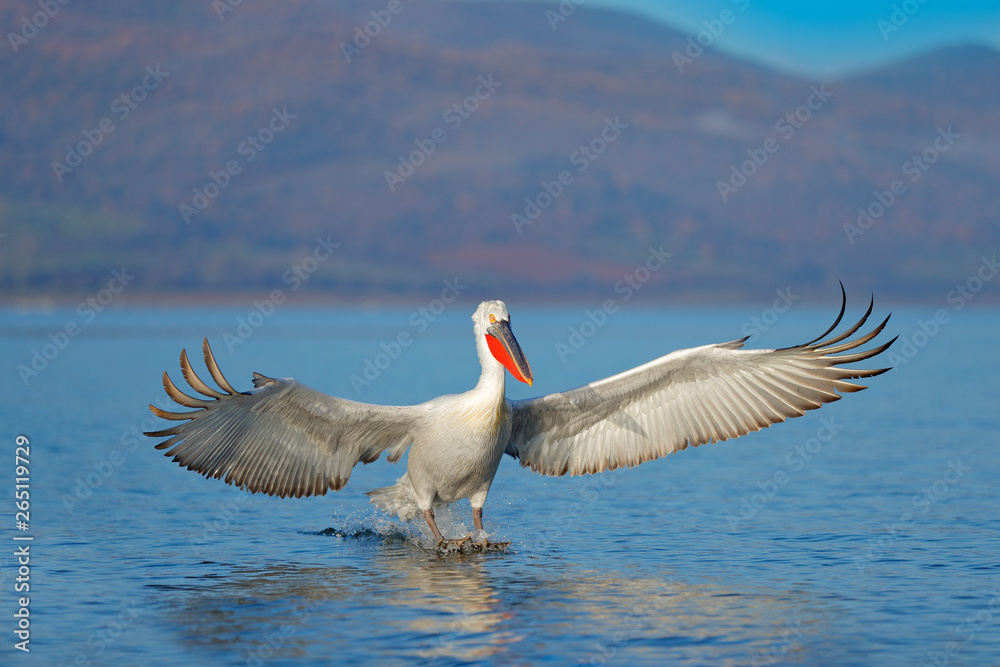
(48,302)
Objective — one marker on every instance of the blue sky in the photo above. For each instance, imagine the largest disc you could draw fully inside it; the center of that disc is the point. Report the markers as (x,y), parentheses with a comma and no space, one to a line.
(828,39)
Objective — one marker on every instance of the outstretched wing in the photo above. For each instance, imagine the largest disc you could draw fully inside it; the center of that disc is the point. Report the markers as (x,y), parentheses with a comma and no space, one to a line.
(281,438)
(689,397)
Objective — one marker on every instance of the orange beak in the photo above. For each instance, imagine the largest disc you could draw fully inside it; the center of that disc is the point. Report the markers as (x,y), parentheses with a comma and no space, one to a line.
(505,349)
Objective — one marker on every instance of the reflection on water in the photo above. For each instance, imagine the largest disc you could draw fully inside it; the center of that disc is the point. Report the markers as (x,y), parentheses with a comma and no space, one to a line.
(456,608)
(640,567)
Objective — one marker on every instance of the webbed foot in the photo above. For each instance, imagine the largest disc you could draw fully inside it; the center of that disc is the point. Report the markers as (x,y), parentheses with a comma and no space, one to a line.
(467,545)
(454,546)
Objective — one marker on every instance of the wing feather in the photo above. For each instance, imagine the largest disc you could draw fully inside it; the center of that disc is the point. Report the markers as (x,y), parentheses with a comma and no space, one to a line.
(280,438)
(213,368)
(179,396)
(195,381)
(688,398)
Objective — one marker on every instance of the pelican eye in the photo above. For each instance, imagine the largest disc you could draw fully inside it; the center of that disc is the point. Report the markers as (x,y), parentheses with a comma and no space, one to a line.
(493,317)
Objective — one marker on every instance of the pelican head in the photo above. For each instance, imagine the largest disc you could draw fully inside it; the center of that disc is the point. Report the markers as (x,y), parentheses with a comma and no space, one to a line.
(492,326)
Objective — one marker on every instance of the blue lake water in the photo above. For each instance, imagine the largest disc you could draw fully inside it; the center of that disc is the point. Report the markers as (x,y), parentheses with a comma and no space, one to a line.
(863,533)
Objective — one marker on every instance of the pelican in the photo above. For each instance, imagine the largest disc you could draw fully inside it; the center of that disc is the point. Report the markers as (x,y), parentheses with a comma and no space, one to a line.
(285,439)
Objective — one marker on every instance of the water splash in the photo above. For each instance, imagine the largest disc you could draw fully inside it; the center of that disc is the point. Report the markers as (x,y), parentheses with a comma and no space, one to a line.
(371,525)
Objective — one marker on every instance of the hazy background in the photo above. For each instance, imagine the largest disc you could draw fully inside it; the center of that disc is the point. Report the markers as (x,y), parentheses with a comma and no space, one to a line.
(695,90)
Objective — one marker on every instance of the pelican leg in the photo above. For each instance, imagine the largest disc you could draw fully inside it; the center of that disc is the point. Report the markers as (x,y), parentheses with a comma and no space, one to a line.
(429,515)
(485,545)
(477,519)
(464,544)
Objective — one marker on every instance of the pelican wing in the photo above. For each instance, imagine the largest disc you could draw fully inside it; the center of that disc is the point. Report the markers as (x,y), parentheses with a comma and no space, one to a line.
(281,438)
(689,397)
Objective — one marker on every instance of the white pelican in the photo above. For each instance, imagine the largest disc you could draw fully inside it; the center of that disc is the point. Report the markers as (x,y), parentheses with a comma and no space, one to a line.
(285,439)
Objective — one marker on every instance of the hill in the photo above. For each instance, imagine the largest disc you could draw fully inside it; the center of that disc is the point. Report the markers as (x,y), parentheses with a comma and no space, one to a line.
(474,140)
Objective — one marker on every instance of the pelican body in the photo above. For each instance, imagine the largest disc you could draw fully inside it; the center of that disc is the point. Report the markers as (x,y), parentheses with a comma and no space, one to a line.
(285,439)
(463,436)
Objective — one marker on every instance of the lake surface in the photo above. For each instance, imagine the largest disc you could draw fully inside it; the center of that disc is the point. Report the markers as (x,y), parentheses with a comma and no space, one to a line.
(880,545)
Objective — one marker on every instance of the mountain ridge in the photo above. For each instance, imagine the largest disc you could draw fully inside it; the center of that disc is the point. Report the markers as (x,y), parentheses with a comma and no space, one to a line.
(325,173)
